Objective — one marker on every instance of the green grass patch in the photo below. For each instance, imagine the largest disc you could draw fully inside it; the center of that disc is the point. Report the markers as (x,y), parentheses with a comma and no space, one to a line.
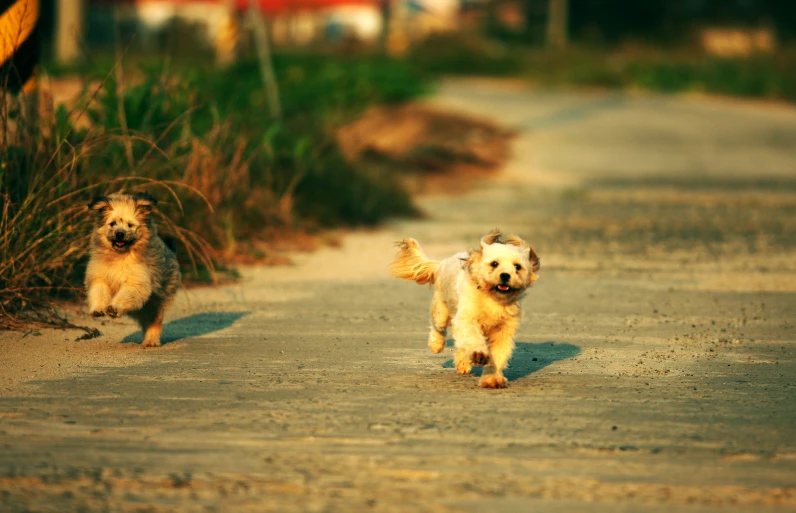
(771,76)
(467,54)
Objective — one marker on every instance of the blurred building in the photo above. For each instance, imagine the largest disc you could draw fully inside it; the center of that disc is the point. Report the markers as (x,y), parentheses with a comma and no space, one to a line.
(291,22)
(188,27)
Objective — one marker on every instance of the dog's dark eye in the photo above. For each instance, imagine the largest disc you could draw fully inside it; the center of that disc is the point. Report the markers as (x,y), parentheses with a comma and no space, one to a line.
(518,267)
(129,225)
(494,264)
(113,223)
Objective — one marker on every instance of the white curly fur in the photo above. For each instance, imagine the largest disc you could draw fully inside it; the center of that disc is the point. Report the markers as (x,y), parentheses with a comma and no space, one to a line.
(478,295)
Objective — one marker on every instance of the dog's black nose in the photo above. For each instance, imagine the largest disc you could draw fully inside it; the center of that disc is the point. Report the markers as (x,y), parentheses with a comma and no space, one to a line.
(119,235)
(504,277)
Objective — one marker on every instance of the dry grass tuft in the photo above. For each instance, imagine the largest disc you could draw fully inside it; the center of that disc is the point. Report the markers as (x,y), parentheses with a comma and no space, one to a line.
(44,220)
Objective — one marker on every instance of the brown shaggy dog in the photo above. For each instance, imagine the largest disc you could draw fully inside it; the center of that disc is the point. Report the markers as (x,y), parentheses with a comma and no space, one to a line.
(130,271)
(478,294)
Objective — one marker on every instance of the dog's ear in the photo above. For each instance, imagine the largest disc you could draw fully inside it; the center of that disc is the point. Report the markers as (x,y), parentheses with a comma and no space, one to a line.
(144,203)
(100,204)
(513,240)
(534,258)
(474,255)
(490,238)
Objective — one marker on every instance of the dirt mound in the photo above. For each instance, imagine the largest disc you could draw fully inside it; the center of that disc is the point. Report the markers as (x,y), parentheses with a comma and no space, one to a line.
(432,150)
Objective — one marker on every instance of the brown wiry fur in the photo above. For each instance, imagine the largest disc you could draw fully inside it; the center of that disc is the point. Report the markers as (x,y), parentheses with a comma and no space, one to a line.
(130,271)
(477,294)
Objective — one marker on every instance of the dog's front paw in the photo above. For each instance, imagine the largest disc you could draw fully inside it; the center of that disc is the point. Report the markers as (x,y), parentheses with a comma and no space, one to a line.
(463,365)
(436,342)
(479,358)
(113,312)
(493,381)
(97,313)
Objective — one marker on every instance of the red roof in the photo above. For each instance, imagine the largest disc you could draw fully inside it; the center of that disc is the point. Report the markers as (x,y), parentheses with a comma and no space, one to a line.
(273,6)
(268,6)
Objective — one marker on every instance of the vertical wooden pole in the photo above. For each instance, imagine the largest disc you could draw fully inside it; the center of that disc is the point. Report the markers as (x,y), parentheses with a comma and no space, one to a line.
(386,14)
(557,20)
(264,56)
(68,30)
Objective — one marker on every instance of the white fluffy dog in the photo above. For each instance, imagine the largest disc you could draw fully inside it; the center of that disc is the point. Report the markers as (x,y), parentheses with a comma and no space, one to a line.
(478,294)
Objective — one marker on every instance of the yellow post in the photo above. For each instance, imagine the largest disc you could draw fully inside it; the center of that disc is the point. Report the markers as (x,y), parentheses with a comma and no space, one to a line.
(228,35)
(397,39)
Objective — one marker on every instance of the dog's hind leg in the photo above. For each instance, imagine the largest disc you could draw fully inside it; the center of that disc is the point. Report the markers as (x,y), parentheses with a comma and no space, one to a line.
(153,331)
(150,318)
(440,319)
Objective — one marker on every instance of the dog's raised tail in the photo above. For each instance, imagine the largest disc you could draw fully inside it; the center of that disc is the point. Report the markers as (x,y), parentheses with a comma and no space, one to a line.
(412,264)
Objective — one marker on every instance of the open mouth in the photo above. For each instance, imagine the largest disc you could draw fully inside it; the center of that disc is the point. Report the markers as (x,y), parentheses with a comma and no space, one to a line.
(121,244)
(503,288)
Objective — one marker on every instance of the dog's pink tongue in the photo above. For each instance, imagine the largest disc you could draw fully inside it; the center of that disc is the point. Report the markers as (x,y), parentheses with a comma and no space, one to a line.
(503,287)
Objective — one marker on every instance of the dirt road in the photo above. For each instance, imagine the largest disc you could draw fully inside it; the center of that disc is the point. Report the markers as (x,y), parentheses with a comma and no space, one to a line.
(654,372)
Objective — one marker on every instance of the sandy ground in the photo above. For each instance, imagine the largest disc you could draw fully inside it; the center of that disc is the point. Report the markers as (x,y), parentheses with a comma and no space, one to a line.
(654,371)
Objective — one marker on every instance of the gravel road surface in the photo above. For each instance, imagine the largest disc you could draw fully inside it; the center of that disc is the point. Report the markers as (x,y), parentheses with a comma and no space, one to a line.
(654,370)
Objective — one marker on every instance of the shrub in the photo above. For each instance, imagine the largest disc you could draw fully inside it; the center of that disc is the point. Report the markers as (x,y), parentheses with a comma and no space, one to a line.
(204,142)
(467,54)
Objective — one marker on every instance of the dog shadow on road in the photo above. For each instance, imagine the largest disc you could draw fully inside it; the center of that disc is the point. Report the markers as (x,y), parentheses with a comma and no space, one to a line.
(191,326)
(529,358)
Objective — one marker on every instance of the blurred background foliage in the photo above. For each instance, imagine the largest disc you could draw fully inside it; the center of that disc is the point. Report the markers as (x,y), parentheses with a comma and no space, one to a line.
(159,110)
(227,172)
